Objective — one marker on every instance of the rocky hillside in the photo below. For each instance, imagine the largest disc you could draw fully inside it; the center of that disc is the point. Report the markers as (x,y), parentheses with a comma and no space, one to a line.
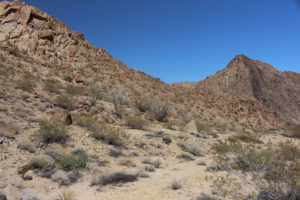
(278,91)
(33,42)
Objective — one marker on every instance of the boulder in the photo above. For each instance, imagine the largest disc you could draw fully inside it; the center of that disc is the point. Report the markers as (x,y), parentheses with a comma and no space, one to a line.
(191,127)
(61,116)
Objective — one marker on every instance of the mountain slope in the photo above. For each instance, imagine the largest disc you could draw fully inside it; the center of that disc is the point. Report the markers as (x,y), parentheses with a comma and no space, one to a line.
(278,91)
(35,42)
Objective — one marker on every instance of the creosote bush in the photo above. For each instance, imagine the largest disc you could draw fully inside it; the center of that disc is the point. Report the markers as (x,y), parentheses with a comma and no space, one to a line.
(136,123)
(53,132)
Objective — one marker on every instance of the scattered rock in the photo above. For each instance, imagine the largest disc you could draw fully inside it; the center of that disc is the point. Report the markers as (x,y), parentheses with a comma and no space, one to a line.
(25,145)
(27,177)
(61,177)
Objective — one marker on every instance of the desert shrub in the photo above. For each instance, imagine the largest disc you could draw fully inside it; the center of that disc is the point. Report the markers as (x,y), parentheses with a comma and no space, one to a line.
(149,168)
(95,93)
(42,162)
(68,195)
(25,82)
(53,132)
(136,123)
(74,160)
(154,162)
(72,90)
(118,98)
(246,137)
(142,103)
(109,134)
(186,157)
(61,177)
(193,148)
(167,139)
(294,132)
(126,162)
(113,178)
(176,185)
(202,126)
(67,77)
(52,86)
(115,152)
(160,109)
(64,101)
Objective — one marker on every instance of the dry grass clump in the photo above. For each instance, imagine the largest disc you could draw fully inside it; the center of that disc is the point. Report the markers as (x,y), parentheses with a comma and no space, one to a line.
(193,148)
(52,85)
(75,160)
(53,132)
(114,178)
(109,134)
(64,101)
(154,162)
(246,137)
(175,185)
(293,132)
(72,90)
(42,162)
(25,82)
(115,152)
(136,123)
(202,126)
(68,195)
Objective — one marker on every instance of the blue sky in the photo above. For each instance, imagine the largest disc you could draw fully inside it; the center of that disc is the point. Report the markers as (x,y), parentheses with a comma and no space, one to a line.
(178,40)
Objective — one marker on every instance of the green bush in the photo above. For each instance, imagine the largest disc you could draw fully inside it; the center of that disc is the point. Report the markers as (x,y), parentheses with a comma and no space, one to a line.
(136,123)
(74,160)
(53,132)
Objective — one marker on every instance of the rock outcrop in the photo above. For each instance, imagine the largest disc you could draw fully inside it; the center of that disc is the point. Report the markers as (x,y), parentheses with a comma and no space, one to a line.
(278,91)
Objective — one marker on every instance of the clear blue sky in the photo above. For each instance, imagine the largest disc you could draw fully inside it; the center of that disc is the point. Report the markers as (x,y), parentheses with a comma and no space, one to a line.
(178,40)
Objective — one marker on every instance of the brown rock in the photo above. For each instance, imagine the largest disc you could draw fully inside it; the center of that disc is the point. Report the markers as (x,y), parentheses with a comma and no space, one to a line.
(61,116)
(191,127)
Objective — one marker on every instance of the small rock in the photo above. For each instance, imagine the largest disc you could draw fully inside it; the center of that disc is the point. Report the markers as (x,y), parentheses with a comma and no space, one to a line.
(27,177)
(2,196)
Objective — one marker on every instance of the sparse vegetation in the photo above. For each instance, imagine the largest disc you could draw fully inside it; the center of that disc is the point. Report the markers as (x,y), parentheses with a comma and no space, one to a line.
(53,132)
(113,178)
(160,109)
(245,137)
(115,152)
(193,148)
(74,160)
(136,123)
(109,134)
(202,126)
(64,101)
(68,195)
(52,85)
(95,93)
(42,162)
(154,162)
(25,82)
(142,103)
(72,90)
(176,185)
(118,99)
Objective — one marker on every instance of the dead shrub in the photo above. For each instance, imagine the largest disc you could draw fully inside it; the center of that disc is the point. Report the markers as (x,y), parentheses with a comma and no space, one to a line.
(136,123)
(25,82)
(160,109)
(95,93)
(114,178)
(65,102)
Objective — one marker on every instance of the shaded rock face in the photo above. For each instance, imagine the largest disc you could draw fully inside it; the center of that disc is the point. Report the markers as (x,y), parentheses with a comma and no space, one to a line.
(278,91)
